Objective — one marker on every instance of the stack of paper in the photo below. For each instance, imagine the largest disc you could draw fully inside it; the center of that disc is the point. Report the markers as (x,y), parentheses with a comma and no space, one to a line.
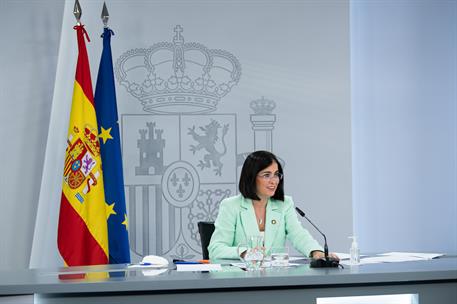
(395,257)
(422,256)
(198,267)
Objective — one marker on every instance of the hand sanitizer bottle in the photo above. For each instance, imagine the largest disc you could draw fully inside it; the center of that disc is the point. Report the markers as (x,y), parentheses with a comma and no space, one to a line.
(354,251)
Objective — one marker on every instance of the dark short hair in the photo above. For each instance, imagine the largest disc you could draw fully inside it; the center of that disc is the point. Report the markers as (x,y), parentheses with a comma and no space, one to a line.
(254,163)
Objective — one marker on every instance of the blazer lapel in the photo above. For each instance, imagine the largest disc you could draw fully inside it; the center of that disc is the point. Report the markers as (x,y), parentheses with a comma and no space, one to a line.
(272,222)
(248,219)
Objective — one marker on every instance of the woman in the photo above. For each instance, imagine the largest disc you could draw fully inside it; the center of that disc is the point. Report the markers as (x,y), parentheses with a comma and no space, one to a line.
(260,209)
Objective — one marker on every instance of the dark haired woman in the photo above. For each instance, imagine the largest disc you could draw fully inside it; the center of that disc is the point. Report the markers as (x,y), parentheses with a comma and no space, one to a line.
(260,209)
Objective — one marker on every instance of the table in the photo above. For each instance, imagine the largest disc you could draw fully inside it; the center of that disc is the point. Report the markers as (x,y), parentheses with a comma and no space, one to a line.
(435,281)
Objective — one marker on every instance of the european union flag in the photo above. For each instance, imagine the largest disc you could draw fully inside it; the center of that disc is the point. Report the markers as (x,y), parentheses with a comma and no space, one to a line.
(110,148)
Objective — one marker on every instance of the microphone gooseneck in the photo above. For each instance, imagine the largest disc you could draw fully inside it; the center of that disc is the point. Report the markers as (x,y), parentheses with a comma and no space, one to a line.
(328,262)
(302,214)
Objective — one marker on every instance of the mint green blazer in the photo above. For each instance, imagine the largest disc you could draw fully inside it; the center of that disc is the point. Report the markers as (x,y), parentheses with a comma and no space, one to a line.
(236,220)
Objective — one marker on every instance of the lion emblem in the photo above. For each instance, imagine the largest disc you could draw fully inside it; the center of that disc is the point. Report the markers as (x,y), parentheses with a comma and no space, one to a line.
(208,141)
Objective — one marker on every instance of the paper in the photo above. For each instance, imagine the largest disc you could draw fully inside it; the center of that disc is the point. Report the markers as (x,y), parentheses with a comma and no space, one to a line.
(242,265)
(426,256)
(392,257)
(230,268)
(382,259)
(343,256)
(147,266)
(198,267)
(153,272)
(296,258)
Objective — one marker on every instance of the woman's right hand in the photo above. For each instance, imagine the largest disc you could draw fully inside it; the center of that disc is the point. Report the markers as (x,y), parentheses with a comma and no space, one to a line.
(242,250)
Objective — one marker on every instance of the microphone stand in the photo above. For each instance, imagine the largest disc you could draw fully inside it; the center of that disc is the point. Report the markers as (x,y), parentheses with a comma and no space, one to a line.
(328,262)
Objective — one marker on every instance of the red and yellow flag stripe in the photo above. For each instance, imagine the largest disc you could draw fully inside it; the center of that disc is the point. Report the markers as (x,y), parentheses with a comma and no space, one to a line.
(82,232)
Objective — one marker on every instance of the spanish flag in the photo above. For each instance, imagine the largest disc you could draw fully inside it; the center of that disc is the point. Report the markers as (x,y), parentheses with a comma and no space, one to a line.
(82,236)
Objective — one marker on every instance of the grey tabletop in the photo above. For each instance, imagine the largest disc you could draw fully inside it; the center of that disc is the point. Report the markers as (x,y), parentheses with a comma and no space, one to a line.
(121,278)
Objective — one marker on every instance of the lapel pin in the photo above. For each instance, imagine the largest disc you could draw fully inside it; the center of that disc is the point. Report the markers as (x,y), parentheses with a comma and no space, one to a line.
(273,222)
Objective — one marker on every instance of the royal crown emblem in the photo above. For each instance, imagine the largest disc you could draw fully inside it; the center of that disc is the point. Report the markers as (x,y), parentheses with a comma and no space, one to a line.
(262,106)
(177,77)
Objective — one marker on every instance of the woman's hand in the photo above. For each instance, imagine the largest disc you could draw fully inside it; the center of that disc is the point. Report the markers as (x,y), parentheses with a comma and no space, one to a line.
(320,255)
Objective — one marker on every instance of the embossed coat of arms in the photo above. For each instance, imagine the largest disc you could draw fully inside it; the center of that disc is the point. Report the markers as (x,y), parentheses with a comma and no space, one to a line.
(180,155)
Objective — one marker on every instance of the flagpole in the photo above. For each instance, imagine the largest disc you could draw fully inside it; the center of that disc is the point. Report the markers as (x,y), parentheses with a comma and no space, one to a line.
(82,236)
(110,148)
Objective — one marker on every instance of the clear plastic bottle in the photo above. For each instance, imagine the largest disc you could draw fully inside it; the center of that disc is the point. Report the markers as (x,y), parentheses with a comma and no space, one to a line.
(354,251)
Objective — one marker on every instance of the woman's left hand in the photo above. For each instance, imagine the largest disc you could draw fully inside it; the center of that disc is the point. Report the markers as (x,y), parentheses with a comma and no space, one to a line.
(321,255)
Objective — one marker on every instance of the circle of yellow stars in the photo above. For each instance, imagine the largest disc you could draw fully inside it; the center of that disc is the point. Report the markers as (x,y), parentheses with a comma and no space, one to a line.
(105,134)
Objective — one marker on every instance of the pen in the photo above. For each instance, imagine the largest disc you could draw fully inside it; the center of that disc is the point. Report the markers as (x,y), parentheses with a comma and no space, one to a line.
(186,262)
(191,261)
(204,261)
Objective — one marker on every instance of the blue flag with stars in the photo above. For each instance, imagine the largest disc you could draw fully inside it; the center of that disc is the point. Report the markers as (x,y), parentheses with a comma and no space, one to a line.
(110,149)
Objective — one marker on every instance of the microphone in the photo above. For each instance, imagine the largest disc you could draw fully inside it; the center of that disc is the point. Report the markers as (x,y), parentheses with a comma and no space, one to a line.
(320,263)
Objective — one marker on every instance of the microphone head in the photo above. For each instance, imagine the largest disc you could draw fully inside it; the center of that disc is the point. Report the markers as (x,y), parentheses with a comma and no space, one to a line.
(302,214)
